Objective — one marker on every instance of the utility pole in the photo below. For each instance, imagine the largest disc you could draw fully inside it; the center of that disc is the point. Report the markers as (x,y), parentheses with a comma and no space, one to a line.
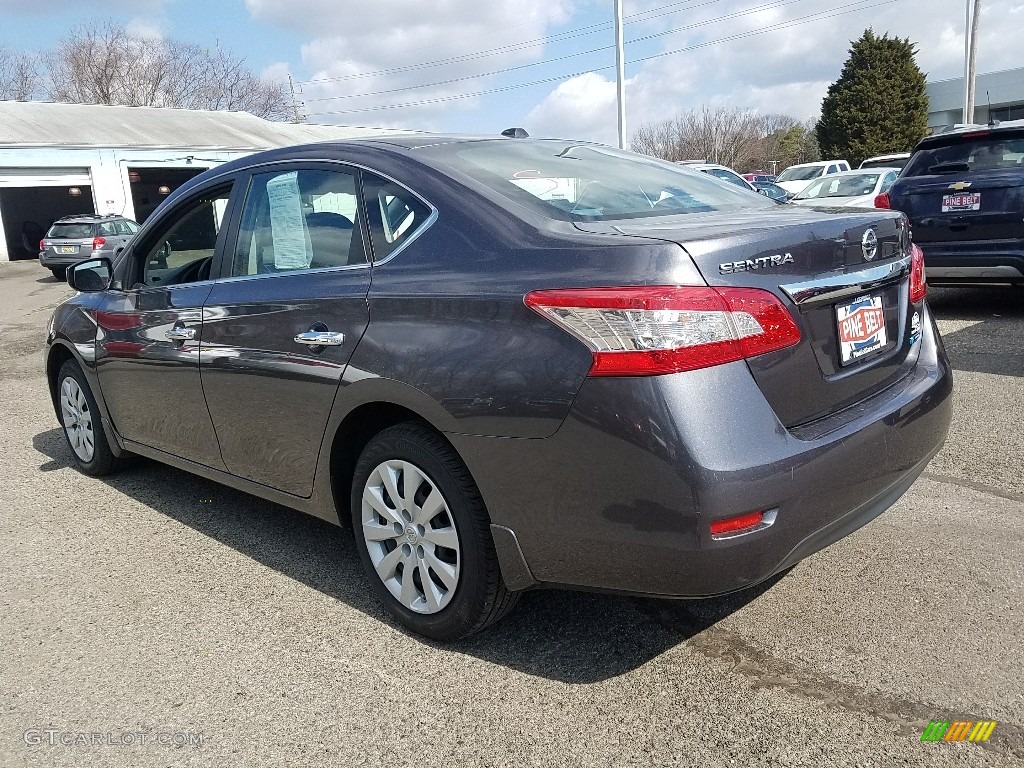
(295,104)
(620,75)
(970,57)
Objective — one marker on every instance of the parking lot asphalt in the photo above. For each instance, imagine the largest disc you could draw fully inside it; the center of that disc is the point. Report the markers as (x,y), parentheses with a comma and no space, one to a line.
(157,603)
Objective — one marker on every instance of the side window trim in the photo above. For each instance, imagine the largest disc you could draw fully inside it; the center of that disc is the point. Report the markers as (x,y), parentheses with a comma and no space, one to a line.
(141,246)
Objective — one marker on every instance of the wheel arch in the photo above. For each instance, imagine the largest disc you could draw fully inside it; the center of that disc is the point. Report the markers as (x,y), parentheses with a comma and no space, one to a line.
(356,429)
(58,354)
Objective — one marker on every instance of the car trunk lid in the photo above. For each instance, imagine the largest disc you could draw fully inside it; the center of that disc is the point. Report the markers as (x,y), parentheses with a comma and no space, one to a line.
(853,312)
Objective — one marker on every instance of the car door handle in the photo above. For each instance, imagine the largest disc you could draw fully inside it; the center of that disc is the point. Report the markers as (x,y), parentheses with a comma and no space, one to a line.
(321,338)
(180,333)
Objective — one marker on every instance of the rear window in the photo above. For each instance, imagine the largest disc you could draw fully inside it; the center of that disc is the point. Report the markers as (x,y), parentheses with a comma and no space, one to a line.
(805,173)
(583,182)
(732,178)
(840,186)
(896,163)
(963,153)
(70,231)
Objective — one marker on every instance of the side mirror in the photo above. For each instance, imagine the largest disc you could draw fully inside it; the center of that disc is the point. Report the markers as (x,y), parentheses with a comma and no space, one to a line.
(91,276)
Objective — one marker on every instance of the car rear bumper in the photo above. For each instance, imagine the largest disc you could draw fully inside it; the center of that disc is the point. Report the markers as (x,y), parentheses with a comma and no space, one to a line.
(974,262)
(50,260)
(622,496)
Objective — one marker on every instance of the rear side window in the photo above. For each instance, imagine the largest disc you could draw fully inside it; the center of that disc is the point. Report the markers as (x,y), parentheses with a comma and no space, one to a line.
(393,214)
(108,229)
(959,154)
(70,231)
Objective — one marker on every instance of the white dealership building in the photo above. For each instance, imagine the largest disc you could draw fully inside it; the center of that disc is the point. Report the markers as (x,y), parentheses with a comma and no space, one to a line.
(65,159)
(998,95)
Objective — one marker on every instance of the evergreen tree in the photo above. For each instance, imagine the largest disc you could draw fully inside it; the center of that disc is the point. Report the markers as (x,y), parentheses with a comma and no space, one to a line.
(878,105)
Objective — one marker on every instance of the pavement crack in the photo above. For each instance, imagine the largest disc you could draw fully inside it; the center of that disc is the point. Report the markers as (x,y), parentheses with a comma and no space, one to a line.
(974,485)
(911,717)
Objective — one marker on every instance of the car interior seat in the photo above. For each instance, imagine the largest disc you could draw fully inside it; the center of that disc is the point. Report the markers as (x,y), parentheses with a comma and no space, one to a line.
(330,235)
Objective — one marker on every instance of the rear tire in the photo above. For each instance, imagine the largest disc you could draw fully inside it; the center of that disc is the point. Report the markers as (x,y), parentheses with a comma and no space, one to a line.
(61,273)
(83,427)
(426,543)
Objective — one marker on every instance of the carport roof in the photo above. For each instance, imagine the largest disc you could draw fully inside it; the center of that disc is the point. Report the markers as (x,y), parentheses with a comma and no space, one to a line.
(43,124)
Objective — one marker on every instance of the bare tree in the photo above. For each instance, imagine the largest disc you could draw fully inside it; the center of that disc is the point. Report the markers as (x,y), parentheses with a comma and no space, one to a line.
(105,64)
(739,138)
(19,76)
(726,135)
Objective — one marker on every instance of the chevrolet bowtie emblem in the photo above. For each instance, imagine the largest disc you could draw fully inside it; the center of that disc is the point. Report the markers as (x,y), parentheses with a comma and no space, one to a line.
(960,185)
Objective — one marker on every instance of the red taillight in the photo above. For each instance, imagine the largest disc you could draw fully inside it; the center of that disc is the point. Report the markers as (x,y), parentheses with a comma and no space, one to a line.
(882,201)
(645,331)
(42,245)
(98,242)
(918,280)
(737,523)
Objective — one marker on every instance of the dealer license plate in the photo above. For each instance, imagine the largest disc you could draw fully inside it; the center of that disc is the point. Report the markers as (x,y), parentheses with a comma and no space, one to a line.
(861,326)
(970,201)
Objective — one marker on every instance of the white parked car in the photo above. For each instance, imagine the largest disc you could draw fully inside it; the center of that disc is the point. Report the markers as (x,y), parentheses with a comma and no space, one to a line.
(796,177)
(894,160)
(850,189)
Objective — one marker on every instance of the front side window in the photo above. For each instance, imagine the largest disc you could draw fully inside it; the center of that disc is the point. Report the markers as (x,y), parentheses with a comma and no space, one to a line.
(183,253)
(586,182)
(299,219)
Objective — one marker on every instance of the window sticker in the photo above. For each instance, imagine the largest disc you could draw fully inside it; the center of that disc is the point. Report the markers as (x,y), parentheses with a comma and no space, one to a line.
(292,249)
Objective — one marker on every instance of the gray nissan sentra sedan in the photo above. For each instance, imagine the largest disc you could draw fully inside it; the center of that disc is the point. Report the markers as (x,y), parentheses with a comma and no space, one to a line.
(512,363)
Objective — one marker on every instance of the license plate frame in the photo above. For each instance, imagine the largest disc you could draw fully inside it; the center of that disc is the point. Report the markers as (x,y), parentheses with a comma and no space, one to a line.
(860,328)
(961,202)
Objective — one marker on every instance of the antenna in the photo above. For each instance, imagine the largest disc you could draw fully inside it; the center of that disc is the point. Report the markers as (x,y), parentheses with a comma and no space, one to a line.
(991,120)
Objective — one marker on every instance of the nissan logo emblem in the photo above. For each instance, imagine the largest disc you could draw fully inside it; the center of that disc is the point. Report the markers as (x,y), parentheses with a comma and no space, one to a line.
(869,244)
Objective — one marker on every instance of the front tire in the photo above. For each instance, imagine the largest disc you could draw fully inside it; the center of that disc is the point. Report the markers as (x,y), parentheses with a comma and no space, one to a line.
(424,537)
(83,427)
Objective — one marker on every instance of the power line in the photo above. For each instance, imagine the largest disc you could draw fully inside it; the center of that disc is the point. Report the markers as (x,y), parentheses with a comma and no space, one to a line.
(577,54)
(808,19)
(511,47)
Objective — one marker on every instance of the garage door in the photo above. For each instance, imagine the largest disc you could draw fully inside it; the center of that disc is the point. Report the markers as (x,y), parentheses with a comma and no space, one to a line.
(32,198)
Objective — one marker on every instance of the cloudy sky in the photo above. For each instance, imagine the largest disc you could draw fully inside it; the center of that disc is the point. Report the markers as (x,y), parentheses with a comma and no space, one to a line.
(546,65)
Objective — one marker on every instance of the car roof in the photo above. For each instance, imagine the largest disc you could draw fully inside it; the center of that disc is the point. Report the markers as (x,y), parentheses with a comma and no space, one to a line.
(890,156)
(82,218)
(859,172)
(959,130)
(816,162)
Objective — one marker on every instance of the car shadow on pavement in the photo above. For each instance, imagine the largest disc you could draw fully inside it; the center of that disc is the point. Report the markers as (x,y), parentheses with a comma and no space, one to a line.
(989,341)
(575,637)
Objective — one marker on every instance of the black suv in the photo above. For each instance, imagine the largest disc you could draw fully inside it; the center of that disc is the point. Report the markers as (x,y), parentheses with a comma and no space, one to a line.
(964,193)
(75,238)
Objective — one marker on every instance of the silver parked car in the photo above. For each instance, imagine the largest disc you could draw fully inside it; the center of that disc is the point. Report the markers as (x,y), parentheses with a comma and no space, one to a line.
(76,238)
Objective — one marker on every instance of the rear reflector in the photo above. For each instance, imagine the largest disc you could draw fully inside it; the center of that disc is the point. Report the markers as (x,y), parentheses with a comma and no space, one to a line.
(918,279)
(882,201)
(645,331)
(736,524)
